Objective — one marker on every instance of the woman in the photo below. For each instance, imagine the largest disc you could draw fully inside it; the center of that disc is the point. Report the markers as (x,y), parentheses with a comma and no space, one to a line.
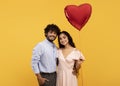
(69,59)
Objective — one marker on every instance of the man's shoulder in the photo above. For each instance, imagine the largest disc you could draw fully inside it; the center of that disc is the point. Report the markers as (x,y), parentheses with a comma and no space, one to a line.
(39,44)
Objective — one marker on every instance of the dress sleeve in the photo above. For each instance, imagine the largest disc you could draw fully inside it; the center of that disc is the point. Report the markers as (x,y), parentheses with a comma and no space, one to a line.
(79,55)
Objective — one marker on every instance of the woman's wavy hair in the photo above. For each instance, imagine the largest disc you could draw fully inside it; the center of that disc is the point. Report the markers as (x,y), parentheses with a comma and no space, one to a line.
(70,40)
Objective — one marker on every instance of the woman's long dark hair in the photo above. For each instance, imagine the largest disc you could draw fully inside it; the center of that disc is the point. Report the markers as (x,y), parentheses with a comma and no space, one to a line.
(70,40)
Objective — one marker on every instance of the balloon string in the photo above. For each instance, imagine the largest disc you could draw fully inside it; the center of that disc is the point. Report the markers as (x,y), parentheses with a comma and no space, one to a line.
(81,75)
(82,84)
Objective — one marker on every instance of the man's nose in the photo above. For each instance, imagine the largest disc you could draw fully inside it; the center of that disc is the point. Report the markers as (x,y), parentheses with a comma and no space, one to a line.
(53,34)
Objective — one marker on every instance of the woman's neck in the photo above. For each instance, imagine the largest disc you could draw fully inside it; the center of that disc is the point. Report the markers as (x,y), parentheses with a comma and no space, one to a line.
(68,46)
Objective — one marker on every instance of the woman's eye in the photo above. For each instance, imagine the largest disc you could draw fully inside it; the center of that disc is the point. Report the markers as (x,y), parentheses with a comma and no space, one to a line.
(60,38)
(64,37)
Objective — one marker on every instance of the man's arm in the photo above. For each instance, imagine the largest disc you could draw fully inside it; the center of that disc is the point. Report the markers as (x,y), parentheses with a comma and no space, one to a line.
(35,61)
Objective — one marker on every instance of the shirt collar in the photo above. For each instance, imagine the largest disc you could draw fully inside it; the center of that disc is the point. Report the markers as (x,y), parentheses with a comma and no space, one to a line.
(50,43)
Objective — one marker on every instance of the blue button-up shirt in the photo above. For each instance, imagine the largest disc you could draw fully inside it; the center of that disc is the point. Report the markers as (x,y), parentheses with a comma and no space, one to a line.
(44,57)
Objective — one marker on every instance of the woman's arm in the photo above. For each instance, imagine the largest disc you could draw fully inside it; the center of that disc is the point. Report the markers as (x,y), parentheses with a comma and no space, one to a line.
(77,66)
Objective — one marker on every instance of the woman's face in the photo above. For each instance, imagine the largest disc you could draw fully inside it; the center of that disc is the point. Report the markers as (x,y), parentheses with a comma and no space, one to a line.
(63,39)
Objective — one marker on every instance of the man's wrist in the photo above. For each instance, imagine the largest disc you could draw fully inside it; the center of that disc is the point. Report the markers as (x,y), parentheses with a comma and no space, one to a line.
(38,75)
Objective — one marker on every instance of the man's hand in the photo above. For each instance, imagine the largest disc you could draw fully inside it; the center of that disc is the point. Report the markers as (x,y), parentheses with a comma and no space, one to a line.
(41,80)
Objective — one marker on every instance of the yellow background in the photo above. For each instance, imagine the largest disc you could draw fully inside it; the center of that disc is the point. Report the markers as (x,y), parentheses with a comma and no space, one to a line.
(21,28)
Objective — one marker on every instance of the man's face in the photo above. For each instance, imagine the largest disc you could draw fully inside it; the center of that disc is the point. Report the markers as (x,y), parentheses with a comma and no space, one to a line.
(51,35)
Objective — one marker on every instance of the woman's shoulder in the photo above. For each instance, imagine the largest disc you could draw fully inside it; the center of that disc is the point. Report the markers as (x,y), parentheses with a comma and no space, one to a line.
(76,50)
(59,49)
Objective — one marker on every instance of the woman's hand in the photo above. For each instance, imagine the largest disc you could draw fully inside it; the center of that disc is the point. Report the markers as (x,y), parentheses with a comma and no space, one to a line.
(77,66)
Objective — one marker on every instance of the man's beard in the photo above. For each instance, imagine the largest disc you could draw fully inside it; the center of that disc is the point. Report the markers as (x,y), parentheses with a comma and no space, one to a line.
(50,39)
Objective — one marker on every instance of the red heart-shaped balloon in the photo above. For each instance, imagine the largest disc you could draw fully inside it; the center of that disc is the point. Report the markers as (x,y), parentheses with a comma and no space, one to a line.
(78,15)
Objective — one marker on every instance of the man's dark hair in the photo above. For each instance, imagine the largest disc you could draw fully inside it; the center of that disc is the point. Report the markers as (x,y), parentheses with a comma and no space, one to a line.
(51,27)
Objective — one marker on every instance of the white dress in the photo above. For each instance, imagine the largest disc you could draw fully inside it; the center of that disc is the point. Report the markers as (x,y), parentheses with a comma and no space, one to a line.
(65,76)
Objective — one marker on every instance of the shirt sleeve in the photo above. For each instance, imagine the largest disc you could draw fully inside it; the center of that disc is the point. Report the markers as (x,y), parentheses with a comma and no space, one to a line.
(36,53)
(57,55)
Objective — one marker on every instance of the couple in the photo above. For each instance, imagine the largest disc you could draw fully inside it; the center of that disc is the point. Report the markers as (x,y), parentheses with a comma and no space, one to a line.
(47,59)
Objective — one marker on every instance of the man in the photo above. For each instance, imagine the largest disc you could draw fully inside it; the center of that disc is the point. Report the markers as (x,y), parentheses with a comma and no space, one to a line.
(44,57)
